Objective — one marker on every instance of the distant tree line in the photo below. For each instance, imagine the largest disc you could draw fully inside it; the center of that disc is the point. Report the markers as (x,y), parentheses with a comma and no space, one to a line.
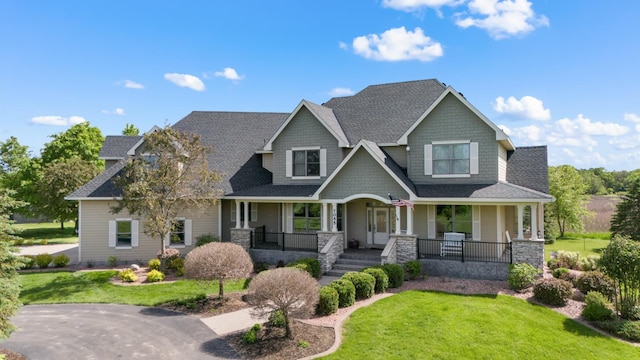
(599,181)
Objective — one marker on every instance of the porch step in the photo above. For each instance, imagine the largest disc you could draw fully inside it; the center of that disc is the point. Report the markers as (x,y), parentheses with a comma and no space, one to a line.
(354,261)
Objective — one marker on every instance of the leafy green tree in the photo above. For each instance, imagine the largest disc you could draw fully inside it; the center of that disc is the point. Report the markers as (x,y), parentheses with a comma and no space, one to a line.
(173,177)
(13,156)
(17,170)
(569,207)
(620,260)
(10,262)
(59,179)
(81,140)
(130,130)
(626,220)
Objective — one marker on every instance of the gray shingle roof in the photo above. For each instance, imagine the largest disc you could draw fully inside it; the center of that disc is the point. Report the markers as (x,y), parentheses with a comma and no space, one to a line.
(235,137)
(383,113)
(278,191)
(116,147)
(527,166)
(499,190)
(102,185)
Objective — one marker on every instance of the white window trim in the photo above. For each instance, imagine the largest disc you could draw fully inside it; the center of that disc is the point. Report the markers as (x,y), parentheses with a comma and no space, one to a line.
(289,163)
(113,233)
(473,159)
(188,238)
(253,216)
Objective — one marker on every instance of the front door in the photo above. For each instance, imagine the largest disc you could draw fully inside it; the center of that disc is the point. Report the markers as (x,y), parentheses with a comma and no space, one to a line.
(377,226)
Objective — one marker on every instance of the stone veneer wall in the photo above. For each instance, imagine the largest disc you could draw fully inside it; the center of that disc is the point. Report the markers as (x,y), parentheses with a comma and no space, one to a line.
(242,237)
(390,253)
(406,248)
(328,255)
(529,251)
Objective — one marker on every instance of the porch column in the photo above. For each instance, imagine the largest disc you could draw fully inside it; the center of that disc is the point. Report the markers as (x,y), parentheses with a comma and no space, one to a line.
(325,220)
(534,222)
(520,222)
(541,217)
(238,225)
(246,214)
(409,221)
(334,217)
(398,231)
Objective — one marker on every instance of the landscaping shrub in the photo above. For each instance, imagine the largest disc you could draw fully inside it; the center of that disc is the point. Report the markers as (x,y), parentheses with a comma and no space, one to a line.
(168,255)
(363,282)
(43,260)
(413,269)
(595,281)
(127,275)
(280,264)
(552,291)
(382,280)
(589,263)
(276,319)
(569,259)
(522,276)
(328,303)
(557,273)
(155,276)
(60,261)
(18,242)
(625,329)
(553,263)
(312,266)
(29,261)
(346,292)
(250,336)
(176,264)
(112,261)
(205,239)
(395,273)
(44,242)
(597,308)
(154,264)
(260,266)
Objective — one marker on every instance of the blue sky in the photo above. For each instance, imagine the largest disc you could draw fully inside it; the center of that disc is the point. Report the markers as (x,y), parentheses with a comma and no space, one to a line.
(560,73)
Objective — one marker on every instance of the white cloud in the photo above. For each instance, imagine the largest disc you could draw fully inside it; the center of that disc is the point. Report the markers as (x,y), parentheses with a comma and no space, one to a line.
(186,80)
(133,85)
(341,92)
(396,45)
(342,45)
(57,120)
(582,125)
(529,134)
(633,118)
(117,111)
(415,5)
(228,73)
(502,18)
(527,107)
(626,143)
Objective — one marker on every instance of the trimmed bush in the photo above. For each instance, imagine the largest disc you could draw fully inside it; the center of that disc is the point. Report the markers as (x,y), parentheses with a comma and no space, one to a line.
(155,276)
(522,276)
(18,242)
(312,266)
(250,336)
(595,281)
(205,239)
(260,266)
(589,263)
(29,261)
(60,261)
(168,255)
(625,329)
(553,263)
(44,242)
(597,308)
(552,291)
(346,292)
(395,273)
(176,264)
(43,260)
(154,264)
(382,280)
(112,261)
(328,303)
(557,273)
(413,269)
(127,275)
(569,259)
(363,282)
(276,319)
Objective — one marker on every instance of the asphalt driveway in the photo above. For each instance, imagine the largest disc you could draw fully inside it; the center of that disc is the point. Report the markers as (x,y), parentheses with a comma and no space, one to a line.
(107,331)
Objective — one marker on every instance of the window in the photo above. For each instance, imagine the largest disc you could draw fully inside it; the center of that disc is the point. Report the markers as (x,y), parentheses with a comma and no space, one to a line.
(253,212)
(307,217)
(123,233)
(451,159)
(306,163)
(177,233)
(454,218)
(310,163)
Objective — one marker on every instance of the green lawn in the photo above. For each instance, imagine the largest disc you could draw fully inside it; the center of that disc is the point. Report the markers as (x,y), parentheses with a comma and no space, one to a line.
(94,287)
(585,244)
(431,325)
(36,232)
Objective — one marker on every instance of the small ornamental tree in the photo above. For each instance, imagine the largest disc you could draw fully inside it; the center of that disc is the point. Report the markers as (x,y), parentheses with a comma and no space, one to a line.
(289,290)
(620,260)
(175,175)
(217,262)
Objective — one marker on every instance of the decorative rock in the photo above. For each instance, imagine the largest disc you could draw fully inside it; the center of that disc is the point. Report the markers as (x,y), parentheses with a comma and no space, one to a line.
(135,267)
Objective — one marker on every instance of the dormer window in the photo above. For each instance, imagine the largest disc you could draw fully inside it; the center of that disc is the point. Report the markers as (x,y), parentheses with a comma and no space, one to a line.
(306,163)
(444,159)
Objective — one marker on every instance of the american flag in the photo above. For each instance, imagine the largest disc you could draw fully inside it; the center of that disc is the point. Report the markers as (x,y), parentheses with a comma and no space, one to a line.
(400,202)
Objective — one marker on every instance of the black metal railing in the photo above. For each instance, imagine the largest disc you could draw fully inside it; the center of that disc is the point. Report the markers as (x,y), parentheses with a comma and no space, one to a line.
(284,241)
(465,250)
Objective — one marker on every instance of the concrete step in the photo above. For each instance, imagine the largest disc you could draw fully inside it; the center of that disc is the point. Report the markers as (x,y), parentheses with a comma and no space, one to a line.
(350,267)
(360,262)
(336,273)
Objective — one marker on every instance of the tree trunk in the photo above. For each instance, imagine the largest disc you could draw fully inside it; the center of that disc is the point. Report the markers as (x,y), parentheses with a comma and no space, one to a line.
(287,326)
(61,225)
(220,288)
